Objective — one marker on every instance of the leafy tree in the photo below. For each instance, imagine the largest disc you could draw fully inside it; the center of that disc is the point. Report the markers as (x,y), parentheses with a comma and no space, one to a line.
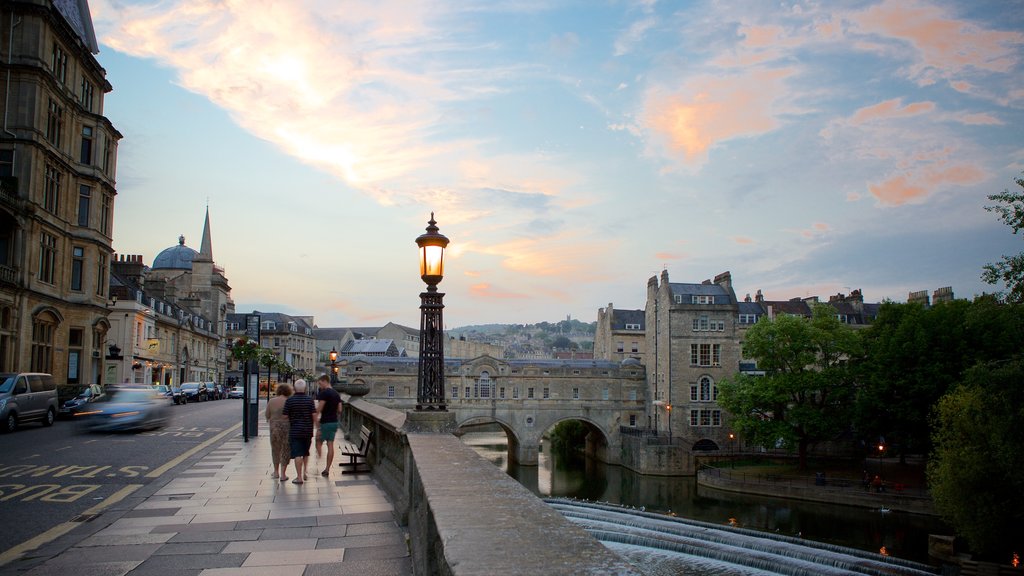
(561,342)
(1010,271)
(806,392)
(974,473)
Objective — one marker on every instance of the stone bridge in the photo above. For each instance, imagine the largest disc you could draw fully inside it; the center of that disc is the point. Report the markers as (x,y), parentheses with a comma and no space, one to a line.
(526,398)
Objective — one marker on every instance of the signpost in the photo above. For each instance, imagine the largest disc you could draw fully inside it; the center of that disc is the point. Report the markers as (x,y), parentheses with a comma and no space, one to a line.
(250,383)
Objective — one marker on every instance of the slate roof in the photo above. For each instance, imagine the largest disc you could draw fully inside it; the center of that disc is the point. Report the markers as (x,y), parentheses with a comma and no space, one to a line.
(622,317)
(720,294)
(175,258)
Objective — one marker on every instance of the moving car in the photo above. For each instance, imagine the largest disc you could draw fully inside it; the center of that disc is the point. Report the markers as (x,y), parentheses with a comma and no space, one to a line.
(195,391)
(80,396)
(172,393)
(236,392)
(27,396)
(125,408)
(215,391)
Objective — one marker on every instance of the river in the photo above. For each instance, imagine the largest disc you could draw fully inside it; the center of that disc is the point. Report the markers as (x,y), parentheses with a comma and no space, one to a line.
(899,534)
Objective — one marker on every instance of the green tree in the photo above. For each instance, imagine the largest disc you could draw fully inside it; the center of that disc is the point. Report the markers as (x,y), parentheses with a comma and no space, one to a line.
(1009,271)
(974,473)
(806,393)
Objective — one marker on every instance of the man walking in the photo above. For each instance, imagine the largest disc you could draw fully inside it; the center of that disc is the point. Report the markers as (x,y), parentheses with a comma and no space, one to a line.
(299,408)
(328,405)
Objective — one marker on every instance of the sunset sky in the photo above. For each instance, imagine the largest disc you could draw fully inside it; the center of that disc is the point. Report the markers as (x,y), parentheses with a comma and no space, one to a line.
(569,149)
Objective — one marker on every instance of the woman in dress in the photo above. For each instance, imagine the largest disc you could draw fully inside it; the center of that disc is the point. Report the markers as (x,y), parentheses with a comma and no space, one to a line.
(280,450)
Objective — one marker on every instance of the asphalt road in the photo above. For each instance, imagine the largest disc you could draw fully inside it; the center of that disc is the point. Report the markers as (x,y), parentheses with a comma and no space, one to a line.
(51,476)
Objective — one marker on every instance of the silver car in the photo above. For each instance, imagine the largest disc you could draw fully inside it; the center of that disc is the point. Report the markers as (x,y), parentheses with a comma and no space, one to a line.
(126,408)
(25,397)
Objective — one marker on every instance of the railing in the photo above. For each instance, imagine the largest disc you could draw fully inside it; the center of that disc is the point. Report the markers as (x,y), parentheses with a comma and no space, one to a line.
(8,274)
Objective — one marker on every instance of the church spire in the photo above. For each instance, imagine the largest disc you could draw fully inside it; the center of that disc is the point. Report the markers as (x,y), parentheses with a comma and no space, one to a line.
(206,249)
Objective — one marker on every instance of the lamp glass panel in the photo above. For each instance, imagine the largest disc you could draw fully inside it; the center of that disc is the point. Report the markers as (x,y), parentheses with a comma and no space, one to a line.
(431,261)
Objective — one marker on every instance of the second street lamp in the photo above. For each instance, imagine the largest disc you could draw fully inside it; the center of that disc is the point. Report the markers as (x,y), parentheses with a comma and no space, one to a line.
(333,355)
(430,375)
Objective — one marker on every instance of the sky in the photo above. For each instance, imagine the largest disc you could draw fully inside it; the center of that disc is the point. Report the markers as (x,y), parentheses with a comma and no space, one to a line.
(570,150)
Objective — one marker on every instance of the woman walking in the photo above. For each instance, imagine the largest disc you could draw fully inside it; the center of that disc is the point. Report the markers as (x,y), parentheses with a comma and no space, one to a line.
(280,450)
(299,408)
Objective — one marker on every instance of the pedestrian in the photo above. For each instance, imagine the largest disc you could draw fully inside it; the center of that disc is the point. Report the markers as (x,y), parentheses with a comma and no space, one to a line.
(328,406)
(299,408)
(280,450)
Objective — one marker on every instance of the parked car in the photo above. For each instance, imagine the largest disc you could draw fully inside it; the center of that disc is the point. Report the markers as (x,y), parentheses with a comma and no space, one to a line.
(75,397)
(195,391)
(172,393)
(236,392)
(27,396)
(215,391)
(125,408)
(177,395)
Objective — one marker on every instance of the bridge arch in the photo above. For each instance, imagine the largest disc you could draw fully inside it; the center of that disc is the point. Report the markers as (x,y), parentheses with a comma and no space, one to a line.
(705,445)
(511,435)
(597,440)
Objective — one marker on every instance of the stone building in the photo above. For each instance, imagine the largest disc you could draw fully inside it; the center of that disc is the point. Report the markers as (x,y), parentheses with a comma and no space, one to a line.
(290,338)
(58,158)
(620,334)
(156,341)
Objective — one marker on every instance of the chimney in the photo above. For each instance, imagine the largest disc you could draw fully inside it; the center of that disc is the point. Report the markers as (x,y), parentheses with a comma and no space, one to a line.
(130,267)
(944,294)
(758,297)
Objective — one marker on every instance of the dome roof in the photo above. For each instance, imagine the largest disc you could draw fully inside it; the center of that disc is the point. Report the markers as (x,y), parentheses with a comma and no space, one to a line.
(176,257)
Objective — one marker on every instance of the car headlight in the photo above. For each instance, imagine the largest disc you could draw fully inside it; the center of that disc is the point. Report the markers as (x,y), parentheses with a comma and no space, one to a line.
(125,414)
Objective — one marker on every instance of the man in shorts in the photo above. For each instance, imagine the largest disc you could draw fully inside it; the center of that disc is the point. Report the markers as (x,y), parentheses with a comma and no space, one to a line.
(328,405)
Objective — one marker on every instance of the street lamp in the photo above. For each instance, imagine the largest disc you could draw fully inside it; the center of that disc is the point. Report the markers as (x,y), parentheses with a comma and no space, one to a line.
(732,450)
(333,355)
(881,449)
(430,376)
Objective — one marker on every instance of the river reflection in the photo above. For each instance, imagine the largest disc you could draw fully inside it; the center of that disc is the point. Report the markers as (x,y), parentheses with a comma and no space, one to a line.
(902,535)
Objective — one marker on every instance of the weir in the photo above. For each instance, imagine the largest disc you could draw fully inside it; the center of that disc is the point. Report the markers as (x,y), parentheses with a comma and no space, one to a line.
(660,544)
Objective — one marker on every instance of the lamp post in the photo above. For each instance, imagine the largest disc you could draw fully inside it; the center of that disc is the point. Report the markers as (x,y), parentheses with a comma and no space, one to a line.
(732,450)
(333,355)
(881,449)
(430,375)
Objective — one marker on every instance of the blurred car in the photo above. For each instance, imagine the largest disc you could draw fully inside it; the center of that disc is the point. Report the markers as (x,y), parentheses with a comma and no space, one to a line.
(172,393)
(76,397)
(236,392)
(215,391)
(124,408)
(194,391)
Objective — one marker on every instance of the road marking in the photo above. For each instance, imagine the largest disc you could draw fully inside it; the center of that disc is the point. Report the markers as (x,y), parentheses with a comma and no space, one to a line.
(158,471)
(62,529)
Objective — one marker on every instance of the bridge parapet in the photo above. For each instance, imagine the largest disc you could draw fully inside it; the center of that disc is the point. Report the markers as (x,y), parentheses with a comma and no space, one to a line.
(464,515)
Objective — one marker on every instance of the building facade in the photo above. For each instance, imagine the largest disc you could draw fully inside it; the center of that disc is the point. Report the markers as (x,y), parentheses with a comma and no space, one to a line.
(58,157)
(620,334)
(290,338)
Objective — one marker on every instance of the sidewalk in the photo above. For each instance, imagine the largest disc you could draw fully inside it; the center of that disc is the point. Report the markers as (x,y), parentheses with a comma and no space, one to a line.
(225,516)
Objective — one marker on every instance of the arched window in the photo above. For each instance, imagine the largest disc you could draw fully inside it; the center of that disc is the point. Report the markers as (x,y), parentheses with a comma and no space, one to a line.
(484,385)
(43,327)
(708,390)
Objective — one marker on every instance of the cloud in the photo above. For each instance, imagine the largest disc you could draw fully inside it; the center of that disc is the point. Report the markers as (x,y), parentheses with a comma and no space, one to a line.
(633,35)
(743,240)
(978,119)
(486,291)
(690,119)
(915,185)
(890,109)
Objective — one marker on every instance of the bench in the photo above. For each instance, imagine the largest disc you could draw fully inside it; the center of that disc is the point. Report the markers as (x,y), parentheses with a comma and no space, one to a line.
(357,453)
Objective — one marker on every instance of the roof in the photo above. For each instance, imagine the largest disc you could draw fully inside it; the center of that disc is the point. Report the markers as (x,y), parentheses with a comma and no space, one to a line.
(715,290)
(175,258)
(76,12)
(367,346)
(622,317)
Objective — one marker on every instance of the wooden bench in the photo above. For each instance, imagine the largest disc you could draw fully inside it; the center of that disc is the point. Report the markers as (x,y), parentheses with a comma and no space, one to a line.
(357,453)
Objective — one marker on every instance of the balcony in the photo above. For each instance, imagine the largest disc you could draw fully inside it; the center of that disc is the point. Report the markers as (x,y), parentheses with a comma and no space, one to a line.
(8,275)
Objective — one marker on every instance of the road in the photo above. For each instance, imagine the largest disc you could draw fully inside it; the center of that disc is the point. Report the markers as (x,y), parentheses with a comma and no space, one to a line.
(52,476)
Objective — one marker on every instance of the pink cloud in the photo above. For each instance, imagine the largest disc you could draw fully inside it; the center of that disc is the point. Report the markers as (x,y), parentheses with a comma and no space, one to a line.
(670,255)
(916,186)
(484,290)
(890,109)
(945,44)
(709,110)
(743,240)
(980,118)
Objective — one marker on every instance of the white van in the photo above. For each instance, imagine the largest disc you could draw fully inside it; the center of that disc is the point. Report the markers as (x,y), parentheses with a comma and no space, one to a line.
(26,396)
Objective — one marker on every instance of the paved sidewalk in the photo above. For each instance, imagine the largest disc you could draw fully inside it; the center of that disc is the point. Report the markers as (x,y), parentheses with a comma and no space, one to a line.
(225,516)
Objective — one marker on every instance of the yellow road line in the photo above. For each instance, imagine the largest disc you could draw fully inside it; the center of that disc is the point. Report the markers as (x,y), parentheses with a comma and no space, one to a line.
(158,471)
(62,529)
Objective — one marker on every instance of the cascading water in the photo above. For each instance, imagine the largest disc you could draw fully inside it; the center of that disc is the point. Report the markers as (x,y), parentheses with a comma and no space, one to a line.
(667,545)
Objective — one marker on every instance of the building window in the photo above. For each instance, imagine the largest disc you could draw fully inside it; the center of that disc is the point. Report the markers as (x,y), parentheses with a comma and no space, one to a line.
(547,392)
(632,326)
(455,391)
(576,372)
(467,395)
(268,325)
(108,153)
(620,346)
(391,390)
(54,123)
(47,257)
(604,394)
(702,299)
(84,197)
(6,164)
(76,336)
(105,214)
(632,419)
(747,318)
(679,298)
(529,392)
(632,395)
(51,189)
(515,392)
(77,263)
(102,277)
(705,417)
(694,417)
(59,63)
(636,347)
(87,93)
(86,155)
(716,417)
(575,393)
(708,390)
(705,354)
(501,392)
(42,345)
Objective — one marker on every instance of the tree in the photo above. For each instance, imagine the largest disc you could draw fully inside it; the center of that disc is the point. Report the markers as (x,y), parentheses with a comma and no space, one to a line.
(974,473)
(806,393)
(1010,271)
